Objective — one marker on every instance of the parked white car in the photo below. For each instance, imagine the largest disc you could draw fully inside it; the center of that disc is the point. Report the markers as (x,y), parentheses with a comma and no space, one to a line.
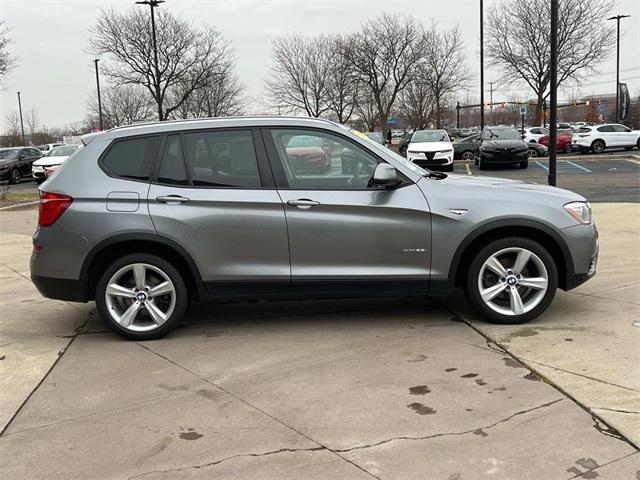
(431,149)
(533,134)
(598,138)
(55,158)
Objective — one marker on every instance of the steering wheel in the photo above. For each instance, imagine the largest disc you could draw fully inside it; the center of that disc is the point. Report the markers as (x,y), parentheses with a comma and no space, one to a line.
(356,173)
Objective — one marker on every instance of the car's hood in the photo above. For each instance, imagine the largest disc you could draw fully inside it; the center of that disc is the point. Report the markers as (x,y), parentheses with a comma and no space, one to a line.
(430,146)
(503,144)
(507,186)
(49,161)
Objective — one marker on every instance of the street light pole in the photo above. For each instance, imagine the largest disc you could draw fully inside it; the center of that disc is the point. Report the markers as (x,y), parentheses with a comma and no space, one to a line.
(617,18)
(553,114)
(99,100)
(153,4)
(24,143)
(481,65)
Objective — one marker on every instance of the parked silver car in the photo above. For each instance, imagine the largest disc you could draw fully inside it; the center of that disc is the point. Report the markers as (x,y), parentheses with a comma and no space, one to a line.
(147,217)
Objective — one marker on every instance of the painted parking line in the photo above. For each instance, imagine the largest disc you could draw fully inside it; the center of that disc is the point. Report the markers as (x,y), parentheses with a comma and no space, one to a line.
(468,165)
(565,166)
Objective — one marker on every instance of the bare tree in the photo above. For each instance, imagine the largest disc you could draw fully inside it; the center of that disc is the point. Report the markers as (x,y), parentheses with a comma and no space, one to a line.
(31,122)
(443,59)
(121,105)
(8,61)
(13,137)
(519,44)
(342,90)
(384,55)
(221,96)
(188,57)
(366,108)
(300,74)
(416,102)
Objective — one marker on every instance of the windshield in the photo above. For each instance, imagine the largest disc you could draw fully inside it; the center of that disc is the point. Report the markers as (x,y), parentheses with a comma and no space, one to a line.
(430,136)
(4,154)
(62,151)
(501,134)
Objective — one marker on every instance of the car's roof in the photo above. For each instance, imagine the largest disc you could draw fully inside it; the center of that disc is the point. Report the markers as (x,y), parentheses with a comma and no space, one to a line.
(12,148)
(143,128)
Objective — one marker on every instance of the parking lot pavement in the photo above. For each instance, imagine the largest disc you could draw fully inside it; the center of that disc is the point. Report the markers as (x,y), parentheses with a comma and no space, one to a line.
(382,388)
(598,179)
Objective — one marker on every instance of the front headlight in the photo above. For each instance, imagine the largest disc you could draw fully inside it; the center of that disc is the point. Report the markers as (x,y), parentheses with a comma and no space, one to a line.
(581,211)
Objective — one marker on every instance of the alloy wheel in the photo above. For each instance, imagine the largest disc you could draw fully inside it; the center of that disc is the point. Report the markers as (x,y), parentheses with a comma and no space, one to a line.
(513,281)
(140,297)
(467,156)
(15,176)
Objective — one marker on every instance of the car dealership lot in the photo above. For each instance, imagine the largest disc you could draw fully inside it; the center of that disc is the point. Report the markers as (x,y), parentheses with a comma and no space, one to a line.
(393,388)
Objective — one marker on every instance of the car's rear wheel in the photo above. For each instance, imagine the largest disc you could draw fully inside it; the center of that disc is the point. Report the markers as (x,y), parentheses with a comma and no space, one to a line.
(524,164)
(512,280)
(533,153)
(598,146)
(567,148)
(14,176)
(141,297)
(403,151)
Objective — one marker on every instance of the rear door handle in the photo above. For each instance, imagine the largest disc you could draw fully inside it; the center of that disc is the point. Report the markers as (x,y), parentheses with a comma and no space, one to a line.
(303,203)
(171,199)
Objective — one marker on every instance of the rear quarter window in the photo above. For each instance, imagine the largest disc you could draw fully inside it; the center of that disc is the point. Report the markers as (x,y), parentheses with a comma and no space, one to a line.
(131,158)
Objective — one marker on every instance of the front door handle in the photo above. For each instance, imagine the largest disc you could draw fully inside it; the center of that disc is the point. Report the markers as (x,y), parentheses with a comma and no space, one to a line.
(303,203)
(171,199)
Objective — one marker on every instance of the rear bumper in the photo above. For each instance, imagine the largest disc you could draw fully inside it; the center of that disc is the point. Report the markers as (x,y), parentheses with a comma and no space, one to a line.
(60,288)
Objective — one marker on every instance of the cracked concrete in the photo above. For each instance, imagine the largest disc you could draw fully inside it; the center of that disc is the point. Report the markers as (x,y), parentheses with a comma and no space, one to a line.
(350,389)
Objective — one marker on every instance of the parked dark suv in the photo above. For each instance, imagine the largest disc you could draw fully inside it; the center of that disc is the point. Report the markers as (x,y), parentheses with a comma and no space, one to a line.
(147,217)
(501,145)
(15,163)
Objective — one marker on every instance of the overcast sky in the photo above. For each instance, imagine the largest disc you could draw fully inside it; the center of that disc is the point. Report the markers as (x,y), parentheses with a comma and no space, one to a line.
(56,75)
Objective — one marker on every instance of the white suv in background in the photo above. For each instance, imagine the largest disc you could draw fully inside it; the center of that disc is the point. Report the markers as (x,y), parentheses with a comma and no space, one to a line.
(431,149)
(598,138)
(534,134)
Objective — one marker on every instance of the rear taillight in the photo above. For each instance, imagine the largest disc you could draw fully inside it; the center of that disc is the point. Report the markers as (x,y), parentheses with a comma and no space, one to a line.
(52,205)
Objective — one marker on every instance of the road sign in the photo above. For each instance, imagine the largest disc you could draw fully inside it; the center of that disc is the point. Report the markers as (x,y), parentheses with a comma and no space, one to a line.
(393,121)
(523,110)
(603,106)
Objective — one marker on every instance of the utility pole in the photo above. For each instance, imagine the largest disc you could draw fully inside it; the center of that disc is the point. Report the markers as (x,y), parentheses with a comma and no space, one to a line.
(481,65)
(458,114)
(153,4)
(491,102)
(24,143)
(617,18)
(553,117)
(99,100)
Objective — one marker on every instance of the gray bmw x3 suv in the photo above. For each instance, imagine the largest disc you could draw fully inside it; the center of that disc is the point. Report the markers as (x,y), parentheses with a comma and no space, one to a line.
(147,217)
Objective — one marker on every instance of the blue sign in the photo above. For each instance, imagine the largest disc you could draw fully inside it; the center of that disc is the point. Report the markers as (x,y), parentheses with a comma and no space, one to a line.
(523,110)
(393,121)
(603,107)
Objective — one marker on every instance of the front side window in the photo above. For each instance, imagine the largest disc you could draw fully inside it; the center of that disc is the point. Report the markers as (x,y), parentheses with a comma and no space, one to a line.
(131,158)
(322,161)
(620,129)
(225,158)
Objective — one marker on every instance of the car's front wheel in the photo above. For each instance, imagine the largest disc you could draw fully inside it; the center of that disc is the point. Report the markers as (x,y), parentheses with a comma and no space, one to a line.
(14,176)
(403,151)
(141,297)
(512,280)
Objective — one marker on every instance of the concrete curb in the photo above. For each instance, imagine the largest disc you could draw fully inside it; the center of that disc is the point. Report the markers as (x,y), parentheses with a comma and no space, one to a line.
(18,205)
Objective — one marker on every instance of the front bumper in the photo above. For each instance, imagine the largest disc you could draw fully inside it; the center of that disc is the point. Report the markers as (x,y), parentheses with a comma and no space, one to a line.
(431,159)
(37,172)
(504,156)
(582,241)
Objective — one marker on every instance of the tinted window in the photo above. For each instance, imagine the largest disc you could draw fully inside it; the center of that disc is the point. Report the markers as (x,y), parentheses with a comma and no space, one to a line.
(332,163)
(131,158)
(620,129)
(172,169)
(501,134)
(605,129)
(222,159)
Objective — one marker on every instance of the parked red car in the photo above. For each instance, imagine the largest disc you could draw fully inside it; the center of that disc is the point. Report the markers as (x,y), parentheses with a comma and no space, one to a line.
(563,141)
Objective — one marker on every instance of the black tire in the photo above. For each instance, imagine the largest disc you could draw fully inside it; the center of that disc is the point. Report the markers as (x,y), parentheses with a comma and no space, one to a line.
(181,293)
(567,148)
(403,151)
(40,180)
(533,153)
(473,292)
(14,176)
(467,155)
(524,164)
(628,148)
(638,144)
(598,146)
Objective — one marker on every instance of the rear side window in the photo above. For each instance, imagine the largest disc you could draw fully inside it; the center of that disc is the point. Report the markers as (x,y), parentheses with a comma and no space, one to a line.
(222,159)
(172,169)
(131,158)
(605,129)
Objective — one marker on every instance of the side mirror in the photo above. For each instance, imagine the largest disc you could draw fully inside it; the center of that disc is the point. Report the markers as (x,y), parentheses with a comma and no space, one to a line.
(384,176)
